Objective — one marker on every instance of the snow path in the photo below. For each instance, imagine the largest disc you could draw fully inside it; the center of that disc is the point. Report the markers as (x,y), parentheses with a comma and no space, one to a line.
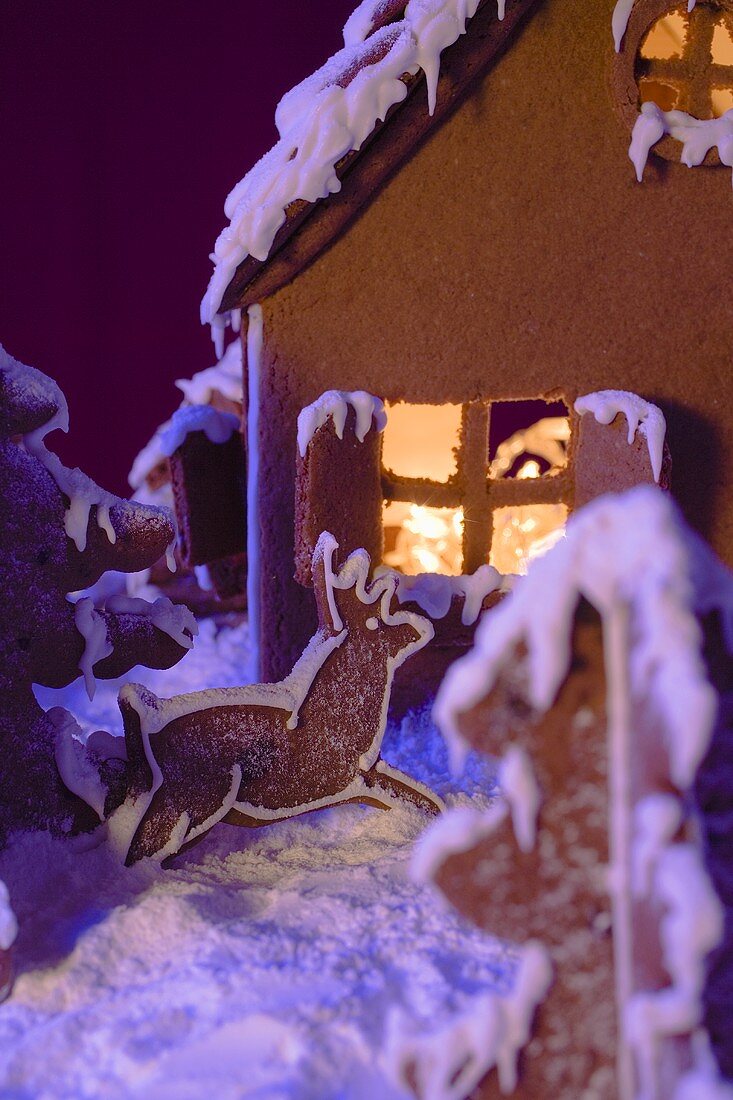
(262,964)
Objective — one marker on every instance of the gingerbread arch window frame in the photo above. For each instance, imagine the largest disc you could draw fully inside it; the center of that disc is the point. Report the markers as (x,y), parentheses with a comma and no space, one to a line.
(624,80)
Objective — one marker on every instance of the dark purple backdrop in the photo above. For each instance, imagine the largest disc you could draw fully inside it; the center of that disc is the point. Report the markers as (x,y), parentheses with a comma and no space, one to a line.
(123,124)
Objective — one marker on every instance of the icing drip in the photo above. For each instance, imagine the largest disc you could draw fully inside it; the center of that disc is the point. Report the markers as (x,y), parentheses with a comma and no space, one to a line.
(434,592)
(657,818)
(519,787)
(620,19)
(175,620)
(92,627)
(328,115)
(75,767)
(698,136)
(334,405)
(448,1064)
(640,416)
(8,923)
(690,928)
(217,426)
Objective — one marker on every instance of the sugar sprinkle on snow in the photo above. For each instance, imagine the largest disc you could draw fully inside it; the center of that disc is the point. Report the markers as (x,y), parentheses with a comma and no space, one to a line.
(265,958)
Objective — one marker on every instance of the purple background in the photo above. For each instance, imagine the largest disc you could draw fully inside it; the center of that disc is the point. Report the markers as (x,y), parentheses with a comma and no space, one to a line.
(123,125)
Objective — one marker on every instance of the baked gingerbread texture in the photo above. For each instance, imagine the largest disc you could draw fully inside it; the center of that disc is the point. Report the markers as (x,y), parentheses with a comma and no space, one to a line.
(59,533)
(483,243)
(603,686)
(264,752)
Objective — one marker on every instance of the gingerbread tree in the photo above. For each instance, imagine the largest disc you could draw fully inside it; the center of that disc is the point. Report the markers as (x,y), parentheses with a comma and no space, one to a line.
(59,533)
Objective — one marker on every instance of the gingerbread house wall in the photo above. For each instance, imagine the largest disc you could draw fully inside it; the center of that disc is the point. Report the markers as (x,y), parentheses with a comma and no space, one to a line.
(515,253)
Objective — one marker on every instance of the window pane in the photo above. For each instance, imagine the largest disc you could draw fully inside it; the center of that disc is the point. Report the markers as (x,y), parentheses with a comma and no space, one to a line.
(667,37)
(525,532)
(420,539)
(528,438)
(421,440)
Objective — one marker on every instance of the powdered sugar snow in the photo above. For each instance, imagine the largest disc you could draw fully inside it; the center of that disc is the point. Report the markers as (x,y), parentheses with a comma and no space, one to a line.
(262,963)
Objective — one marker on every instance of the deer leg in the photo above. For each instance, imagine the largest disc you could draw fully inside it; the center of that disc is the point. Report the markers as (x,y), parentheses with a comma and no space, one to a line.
(388,784)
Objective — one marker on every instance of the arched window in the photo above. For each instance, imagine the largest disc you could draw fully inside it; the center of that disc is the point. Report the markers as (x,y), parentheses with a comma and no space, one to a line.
(680,61)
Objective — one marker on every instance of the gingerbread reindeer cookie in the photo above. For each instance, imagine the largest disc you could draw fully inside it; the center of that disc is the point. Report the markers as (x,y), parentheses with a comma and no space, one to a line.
(260,753)
(59,532)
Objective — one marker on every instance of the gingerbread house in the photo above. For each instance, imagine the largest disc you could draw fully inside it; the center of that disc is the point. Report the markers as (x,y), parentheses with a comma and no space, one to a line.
(451,223)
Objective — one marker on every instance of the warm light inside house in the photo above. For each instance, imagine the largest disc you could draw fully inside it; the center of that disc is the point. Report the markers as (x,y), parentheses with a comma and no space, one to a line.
(526,531)
(667,40)
(421,440)
(421,539)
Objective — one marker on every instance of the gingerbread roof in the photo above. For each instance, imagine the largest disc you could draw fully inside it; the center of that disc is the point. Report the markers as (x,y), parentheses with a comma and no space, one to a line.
(393,55)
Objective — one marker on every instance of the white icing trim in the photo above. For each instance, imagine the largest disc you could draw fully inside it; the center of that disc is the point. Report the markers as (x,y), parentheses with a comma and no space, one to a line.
(519,787)
(75,768)
(434,592)
(334,405)
(620,19)
(447,1064)
(690,928)
(698,136)
(254,595)
(319,122)
(8,922)
(657,818)
(93,629)
(175,620)
(218,427)
(457,830)
(229,801)
(641,416)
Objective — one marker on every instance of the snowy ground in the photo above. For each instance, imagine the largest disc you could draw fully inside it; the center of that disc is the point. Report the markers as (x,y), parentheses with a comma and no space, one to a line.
(263,963)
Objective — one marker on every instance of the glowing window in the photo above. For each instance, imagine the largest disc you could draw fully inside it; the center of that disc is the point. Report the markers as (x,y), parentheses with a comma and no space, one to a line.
(525,532)
(421,539)
(500,498)
(685,62)
(421,441)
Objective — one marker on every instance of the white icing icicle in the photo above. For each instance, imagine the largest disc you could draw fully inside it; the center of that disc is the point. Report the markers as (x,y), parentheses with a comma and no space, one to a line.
(334,405)
(92,627)
(457,830)
(620,19)
(448,1063)
(319,121)
(698,136)
(640,415)
(519,787)
(8,923)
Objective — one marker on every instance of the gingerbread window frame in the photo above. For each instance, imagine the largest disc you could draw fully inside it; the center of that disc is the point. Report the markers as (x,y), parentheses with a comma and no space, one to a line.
(473,489)
(697,76)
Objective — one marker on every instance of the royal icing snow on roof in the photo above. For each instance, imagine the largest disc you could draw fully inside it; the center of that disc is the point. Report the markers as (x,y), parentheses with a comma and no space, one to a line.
(641,416)
(224,377)
(329,114)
